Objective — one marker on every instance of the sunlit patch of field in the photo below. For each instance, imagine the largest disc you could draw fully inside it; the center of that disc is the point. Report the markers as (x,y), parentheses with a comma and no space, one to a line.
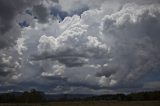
(91,103)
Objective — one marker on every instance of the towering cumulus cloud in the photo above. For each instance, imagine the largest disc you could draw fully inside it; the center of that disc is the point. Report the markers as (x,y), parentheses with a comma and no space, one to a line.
(95,47)
(133,35)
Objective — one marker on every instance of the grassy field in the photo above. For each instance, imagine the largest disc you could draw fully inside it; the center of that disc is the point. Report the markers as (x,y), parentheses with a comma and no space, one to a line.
(93,103)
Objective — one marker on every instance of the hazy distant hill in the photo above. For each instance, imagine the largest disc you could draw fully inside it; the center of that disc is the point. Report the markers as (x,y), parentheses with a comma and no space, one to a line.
(67,96)
(37,96)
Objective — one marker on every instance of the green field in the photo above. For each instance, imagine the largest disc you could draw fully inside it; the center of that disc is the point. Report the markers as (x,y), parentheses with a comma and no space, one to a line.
(93,103)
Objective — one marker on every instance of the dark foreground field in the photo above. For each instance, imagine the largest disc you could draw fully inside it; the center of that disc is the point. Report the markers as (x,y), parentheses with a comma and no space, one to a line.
(92,103)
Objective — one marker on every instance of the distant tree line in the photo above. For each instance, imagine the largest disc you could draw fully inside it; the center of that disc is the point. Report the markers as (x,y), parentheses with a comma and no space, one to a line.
(154,95)
(37,96)
(25,97)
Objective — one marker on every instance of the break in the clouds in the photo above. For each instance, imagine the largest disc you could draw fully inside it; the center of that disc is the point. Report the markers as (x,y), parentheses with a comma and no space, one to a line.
(79,46)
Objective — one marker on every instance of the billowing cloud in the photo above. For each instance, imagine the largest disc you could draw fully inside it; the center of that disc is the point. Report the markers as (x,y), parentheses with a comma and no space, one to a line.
(133,35)
(11,13)
(104,46)
(9,66)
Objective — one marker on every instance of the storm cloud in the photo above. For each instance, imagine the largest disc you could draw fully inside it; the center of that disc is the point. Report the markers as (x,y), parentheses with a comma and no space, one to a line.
(8,11)
(104,46)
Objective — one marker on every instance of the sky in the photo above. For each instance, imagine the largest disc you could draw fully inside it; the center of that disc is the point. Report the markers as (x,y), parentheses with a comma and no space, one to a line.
(80,46)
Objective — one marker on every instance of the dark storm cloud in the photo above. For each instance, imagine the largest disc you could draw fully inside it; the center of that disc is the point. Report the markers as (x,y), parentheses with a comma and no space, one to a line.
(58,12)
(107,70)
(55,78)
(70,60)
(54,81)
(8,11)
(55,1)
(41,13)
(5,69)
(3,73)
